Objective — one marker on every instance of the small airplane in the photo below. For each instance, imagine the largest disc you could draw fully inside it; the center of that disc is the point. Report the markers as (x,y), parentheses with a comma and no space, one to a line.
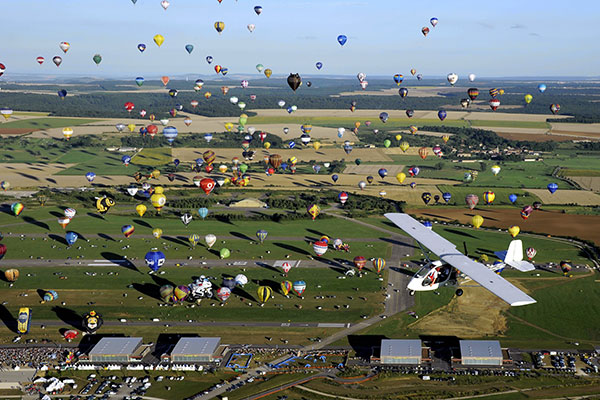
(445,272)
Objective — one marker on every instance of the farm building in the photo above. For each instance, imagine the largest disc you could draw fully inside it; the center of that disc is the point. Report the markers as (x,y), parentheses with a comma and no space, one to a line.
(401,351)
(116,349)
(481,352)
(195,349)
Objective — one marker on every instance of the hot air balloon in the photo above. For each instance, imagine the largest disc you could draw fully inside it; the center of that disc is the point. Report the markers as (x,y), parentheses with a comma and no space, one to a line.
(446,196)
(141,209)
(489,197)
(223,293)
(157,233)
(127,230)
(514,230)
(359,262)
(16,208)
(512,198)
(170,133)
(64,221)
(92,321)
(452,78)
(378,264)
(414,171)
(531,252)
(425,31)
(11,274)
(62,94)
(40,60)
(50,295)
(555,108)
(264,293)
(224,253)
(477,221)
(342,39)
(343,197)
(472,200)
(494,104)
(57,60)
(473,93)
(404,146)
(97,59)
(542,87)
(314,210)
(158,199)
(261,235)
(423,152)
(210,240)
(382,172)
(299,287)
(426,197)
(552,187)
(362,184)
(186,218)
(400,177)
(154,259)
(526,212)
(158,39)
(320,247)
(286,286)
(71,238)
(565,266)
(442,115)
(528,98)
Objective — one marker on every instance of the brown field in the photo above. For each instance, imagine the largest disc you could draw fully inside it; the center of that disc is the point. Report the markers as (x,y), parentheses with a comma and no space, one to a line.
(475,314)
(372,169)
(419,91)
(587,182)
(542,221)
(14,131)
(579,197)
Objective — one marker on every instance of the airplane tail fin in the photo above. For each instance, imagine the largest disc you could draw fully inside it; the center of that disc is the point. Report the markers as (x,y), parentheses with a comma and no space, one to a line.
(514,257)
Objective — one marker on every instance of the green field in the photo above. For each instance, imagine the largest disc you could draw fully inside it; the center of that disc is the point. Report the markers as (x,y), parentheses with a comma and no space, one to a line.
(460,192)
(153,157)
(510,124)
(348,122)
(36,124)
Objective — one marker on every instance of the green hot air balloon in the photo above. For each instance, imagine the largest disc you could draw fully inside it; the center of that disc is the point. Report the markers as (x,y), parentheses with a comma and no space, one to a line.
(243,119)
(97,59)
(243,168)
(387,143)
(224,253)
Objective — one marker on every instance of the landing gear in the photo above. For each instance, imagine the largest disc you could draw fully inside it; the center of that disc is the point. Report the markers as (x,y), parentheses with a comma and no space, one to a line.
(459,292)
(411,292)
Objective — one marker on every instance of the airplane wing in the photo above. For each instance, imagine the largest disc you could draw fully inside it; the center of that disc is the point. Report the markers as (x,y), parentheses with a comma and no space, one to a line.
(449,254)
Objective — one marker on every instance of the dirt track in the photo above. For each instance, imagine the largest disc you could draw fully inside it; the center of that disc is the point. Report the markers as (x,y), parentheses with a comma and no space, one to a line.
(546,222)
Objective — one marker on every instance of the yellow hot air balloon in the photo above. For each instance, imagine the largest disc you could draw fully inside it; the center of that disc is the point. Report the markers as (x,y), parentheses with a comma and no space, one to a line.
(401,177)
(413,129)
(317,145)
(228,126)
(207,95)
(496,170)
(268,72)
(222,168)
(528,98)
(264,293)
(267,145)
(398,137)
(157,233)
(155,174)
(514,230)
(158,199)
(404,146)
(67,133)
(445,138)
(131,127)
(11,275)
(141,209)
(159,39)
(357,124)
(219,26)
(477,221)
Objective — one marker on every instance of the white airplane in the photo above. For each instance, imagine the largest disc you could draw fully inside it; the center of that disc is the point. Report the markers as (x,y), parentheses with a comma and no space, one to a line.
(445,271)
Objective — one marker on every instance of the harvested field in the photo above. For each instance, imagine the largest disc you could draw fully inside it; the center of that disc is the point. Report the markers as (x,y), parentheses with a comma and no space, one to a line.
(372,169)
(587,182)
(419,91)
(14,131)
(541,221)
(580,197)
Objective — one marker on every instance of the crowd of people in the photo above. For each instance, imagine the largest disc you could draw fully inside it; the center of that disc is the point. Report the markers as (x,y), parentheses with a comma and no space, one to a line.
(32,357)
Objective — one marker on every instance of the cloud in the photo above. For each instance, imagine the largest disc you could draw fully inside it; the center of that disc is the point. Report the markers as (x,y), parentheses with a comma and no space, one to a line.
(533,34)
(518,26)
(486,25)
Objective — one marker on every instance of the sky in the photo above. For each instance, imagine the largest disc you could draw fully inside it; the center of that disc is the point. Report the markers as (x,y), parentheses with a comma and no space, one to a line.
(489,38)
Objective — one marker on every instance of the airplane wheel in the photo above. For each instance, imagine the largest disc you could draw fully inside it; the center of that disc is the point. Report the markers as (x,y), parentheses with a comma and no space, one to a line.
(411,292)
(459,292)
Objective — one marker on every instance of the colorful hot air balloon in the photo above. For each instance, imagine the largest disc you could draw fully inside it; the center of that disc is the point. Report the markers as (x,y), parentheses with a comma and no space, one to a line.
(477,221)
(264,293)
(423,152)
(526,212)
(426,197)
(16,208)
(555,108)
(286,286)
(472,200)
(262,235)
(531,252)
(359,262)
(313,210)
(343,197)
(320,247)
(378,264)
(299,287)
(127,230)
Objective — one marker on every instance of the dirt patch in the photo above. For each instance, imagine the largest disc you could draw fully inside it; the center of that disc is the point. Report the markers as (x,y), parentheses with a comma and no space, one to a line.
(476,313)
(540,221)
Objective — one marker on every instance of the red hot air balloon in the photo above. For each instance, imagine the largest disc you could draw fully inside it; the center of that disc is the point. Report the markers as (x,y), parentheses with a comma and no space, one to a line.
(494,104)
(320,247)
(471,200)
(129,106)
(359,262)
(207,185)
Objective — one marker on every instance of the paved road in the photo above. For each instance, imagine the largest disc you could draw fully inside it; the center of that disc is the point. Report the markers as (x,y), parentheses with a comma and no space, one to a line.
(203,323)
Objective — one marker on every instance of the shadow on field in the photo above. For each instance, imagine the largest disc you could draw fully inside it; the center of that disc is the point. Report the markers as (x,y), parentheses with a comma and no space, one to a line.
(175,240)
(148,289)
(238,291)
(142,223)
(334,265)
(457,232)
(58,239)
(267,266)
(2,277)
(240,235)
(398,242)
(366,346)
(487,217)
(93,215)
(106,237)
(5,208)
(292,248)
(56,214)
(317,233)
(119,259)
(7,319)
(35,222)
(68,316)
(51,180)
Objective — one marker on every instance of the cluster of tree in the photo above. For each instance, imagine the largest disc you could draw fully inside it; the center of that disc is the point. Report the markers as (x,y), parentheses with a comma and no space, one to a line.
(219,140)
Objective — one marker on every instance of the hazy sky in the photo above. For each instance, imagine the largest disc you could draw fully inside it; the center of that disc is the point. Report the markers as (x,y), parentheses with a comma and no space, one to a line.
(489,38)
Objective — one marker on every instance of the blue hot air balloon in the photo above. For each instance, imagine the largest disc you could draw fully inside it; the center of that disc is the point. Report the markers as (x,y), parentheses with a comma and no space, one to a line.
(382,172)
(189,48)
(208,137)
(316,168)
(71,238)
(446,196)
(428,224)
(90,176)
(442,115)
(155,259)
(126,160)
(552,187)
(143,130)
(319,65)
(342,39)
(139,80)
(334,177)
(199,161)
(170,133)
(261,235)
(209,59)
(203,212)
(258,10)
(290,109)
(141,47)
(62,93)
(542,87)
(292,144)
(512,198)
(176,162)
